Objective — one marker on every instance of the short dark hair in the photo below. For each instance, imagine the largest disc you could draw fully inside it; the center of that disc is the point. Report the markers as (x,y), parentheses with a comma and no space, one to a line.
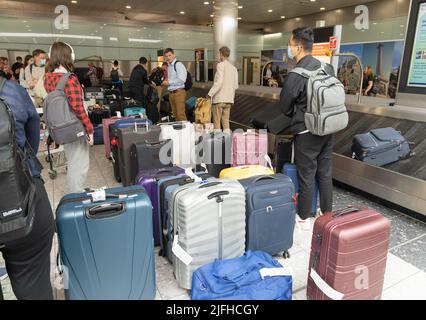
(115,63)
(143,60)
(165,64)
(27,58)
(305,37)
(169,50)
(38,52)
(18,58)
(60,55)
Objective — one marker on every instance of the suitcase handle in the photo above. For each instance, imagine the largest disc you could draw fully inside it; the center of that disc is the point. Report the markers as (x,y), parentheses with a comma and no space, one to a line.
(264,178)
(218,195)
(179,126)
(344,211)
(105,211)
(155,143)
(211,184)
(186,181)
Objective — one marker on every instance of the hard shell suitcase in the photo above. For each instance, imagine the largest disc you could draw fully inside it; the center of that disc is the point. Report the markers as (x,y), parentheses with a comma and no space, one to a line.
(98,137)
(245,172)
(380,147)
(107,246)
(183,136)
(209,222)
(148,179)
(290,170)
(126,138)
(135,111)
(106,131)
(270,213)
(249,148)
(166,189)
(348,255)
(214,150)
(150,155)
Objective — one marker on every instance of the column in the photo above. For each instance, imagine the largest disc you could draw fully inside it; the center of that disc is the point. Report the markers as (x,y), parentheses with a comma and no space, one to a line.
(225,27)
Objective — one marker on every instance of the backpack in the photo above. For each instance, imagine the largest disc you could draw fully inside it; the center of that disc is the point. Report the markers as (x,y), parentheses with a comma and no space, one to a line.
(188,82)
(203,111)
(326,112)
(115,77)
(17,205)
(157,77)
(64,126)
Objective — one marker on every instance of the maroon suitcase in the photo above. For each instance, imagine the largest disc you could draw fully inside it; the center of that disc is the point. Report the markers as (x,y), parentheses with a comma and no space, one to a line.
(348,255)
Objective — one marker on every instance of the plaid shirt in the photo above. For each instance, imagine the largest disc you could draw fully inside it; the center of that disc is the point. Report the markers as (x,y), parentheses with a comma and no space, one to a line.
(74,94)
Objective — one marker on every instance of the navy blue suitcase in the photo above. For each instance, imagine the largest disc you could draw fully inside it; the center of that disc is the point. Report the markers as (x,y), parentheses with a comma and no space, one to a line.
(380,147)
(98,135)
(107,247)
(270,213)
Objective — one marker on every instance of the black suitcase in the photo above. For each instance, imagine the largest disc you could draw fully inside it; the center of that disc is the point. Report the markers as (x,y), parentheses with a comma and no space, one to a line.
(208,147)
(272,119)
(96,93)
(96,115)
(146,156)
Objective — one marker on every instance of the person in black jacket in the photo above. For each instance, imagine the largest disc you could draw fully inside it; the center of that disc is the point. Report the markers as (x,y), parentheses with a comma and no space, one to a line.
(28,259)
(313,154)
(138,80)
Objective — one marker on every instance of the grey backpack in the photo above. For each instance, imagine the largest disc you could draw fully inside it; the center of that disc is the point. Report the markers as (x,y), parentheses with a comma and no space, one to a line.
(64,126)
(326,112)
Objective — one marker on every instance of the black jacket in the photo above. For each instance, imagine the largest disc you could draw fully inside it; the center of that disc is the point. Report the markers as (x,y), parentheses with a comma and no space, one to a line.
(293,100)
(138,78)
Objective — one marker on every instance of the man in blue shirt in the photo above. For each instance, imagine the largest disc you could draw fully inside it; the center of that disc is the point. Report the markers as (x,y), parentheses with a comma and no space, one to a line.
(176,84)
(28,259)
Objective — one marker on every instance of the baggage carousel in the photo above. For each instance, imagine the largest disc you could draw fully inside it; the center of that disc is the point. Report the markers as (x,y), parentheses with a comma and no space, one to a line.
(402,183)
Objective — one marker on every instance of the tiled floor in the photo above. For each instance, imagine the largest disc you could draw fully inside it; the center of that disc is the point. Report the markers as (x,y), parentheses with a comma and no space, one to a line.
(406,266)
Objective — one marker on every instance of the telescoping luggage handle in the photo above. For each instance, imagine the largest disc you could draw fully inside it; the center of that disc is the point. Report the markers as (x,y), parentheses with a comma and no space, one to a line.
(219,199)
(344,211)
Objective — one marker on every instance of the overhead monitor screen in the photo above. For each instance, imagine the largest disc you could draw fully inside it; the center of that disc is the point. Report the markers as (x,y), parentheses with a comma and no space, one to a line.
(417,69)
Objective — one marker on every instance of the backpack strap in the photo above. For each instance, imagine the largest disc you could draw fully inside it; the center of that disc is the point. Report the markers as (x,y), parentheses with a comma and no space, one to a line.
(307,73)
(62,83)
(2,83)
(176,64)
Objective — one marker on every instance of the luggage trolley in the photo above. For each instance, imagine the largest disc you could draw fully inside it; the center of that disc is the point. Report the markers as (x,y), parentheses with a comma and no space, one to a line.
(50,155)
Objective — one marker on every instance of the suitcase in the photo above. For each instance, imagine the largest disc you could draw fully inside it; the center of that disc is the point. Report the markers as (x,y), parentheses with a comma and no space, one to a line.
(116,107)
(98,135)
(183,136)
(106,131)
(209,222)
(380,147)
(126,138)
(245,172)
(214,150)
(166,189)
(249,148)
(96,93)
(135,111)
(190,104)
(290,170)
(349,246)
(272,119)
(150,155)
(270,213)
(148,179)
(97,115)
(107,246)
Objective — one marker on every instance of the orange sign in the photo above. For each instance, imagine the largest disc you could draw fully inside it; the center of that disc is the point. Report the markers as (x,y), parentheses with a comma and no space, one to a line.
(321,49)
(333,43)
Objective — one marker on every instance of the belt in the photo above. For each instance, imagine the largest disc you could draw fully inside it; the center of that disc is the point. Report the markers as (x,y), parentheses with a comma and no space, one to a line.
(176,91)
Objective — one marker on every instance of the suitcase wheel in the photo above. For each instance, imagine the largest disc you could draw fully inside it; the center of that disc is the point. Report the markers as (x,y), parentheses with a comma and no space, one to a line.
(53,174)
(286,255)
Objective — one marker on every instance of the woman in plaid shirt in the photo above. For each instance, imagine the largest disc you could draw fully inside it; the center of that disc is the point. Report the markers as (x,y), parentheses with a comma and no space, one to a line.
(77,153)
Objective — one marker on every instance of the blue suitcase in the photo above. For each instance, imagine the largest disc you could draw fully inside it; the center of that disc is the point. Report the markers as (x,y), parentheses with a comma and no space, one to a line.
(125,123)
(270,213)
(380,147)
(135,111)
(107,247)
(190,104)
(98,135)
(290,170)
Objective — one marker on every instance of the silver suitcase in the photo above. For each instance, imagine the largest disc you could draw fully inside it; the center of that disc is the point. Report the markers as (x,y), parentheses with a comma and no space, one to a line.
(210,224)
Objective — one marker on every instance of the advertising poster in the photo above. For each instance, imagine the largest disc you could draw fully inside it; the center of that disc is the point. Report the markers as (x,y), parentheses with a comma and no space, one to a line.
(417,73)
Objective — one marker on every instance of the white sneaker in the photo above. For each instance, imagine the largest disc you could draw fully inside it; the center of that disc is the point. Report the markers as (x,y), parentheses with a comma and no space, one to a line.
(304,225)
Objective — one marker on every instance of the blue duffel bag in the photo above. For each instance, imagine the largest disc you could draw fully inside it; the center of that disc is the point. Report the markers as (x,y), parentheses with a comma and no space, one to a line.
(254,276)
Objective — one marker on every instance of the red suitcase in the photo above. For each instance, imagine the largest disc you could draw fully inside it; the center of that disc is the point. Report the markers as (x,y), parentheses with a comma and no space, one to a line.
(348,255)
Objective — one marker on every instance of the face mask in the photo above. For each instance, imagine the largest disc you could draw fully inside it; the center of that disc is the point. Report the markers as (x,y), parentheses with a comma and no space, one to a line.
(42,62)
(290,53)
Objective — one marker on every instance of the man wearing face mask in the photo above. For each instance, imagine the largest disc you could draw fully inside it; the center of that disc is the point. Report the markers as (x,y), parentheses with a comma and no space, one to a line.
(312,153)
(34,72)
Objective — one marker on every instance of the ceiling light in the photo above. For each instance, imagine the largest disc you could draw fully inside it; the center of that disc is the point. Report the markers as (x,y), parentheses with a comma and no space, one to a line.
(74,1)
(46,35)
(182,12)
(144,40)
(239,18)
(240,7)
(206,2)
(313,0)
(322,8)
(297,19)
(212,15)
(25,21)
(105,24)
(282,17)
(382,32)
(273,35)
(113,38)
(374,23)
(128,7)
(270,10)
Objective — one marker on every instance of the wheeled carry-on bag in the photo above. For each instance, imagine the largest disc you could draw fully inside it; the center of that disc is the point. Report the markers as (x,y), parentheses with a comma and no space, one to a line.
(270,213)
(348,255)
(96,115)
(209,222)
(215,152)
(245,172)
(183,136)
(148,179)
(106,131)
(380,147)
(249,148)
(98,134)
(126,138)
(107,245)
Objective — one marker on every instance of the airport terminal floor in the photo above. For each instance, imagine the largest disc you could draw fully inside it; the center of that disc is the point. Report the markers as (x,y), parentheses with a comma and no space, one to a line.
(405,277)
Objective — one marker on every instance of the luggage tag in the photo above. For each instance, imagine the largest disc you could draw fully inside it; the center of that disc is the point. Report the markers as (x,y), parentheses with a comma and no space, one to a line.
(269,161)
(98,195)
(276,272)
(118,114)
(325,287)
(181,254)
